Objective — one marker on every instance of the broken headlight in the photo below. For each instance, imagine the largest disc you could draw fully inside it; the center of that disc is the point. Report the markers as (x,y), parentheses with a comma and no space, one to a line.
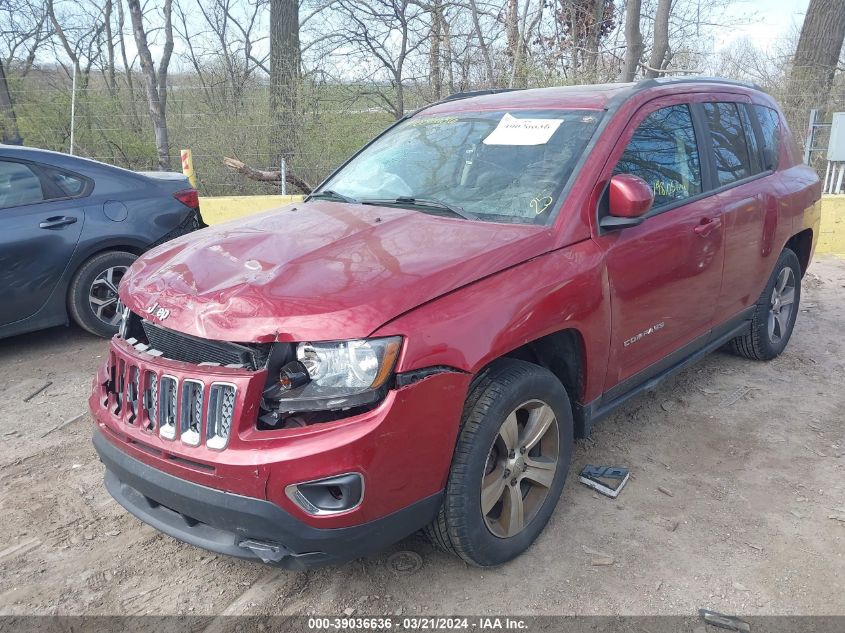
(335,375)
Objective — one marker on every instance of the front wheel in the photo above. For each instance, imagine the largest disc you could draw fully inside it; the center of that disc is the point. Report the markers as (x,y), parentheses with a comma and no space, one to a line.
(774,313)
(509,467)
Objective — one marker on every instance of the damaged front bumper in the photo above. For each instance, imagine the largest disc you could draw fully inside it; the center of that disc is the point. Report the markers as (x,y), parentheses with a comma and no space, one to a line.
(245,527)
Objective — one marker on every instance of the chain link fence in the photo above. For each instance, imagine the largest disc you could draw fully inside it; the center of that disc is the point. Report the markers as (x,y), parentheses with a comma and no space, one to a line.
(217,121)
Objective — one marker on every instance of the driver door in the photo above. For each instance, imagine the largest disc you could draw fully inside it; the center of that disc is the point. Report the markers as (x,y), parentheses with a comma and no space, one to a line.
(664,275)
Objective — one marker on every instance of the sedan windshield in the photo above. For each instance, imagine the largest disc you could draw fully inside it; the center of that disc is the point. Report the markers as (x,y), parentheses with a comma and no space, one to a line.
(497,166)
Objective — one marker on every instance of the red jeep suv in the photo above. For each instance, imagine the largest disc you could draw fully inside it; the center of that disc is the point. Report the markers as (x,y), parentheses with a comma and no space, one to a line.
(419,343)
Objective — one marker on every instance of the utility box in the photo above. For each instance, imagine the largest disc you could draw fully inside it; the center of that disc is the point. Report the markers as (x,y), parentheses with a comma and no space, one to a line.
(836,146)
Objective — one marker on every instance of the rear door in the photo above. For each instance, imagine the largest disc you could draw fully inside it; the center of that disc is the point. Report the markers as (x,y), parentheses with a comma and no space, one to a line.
(40,225)
(665,275)
(745,159)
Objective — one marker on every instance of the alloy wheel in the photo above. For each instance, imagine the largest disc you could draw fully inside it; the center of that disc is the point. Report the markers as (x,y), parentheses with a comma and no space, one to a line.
(782,304)
(520,468)
(102,296)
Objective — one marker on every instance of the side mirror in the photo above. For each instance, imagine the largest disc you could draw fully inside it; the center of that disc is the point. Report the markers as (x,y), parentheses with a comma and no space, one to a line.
(630,198)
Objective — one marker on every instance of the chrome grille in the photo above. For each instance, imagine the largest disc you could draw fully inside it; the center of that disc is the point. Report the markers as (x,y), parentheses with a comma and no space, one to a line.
(177,408)
(167,394)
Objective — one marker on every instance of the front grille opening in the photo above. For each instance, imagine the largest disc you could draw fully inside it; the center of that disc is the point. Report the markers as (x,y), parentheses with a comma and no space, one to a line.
(193,349)
(133,388)
(167,395)
(150,401)
(221,412)
(190,418)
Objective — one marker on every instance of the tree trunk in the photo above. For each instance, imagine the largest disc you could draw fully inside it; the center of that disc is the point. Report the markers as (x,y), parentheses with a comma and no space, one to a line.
(661,39)
(111,81)
(633,40)
(435,68)
(130,84)
(485,51)
(284,77)
(594,33)
(155,83)
(817,55)
(9,123)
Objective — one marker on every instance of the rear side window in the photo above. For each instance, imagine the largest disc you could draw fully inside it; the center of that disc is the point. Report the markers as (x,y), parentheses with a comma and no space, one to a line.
(770,126)
(663,152)
(66,183)
(18,185)
(730,148)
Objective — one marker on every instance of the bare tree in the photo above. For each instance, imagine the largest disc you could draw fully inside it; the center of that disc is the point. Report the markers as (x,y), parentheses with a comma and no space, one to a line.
(10,134)
(633,41)
(285,61)
(660,48)
(25,29)
(817,55)
(381,36)
(155,81)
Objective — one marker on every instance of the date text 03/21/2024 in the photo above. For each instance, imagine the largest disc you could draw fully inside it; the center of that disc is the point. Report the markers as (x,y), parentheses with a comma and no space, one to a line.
(418,623)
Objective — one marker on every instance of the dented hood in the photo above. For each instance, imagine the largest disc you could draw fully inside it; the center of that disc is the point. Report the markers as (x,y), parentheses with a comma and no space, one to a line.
(317,271)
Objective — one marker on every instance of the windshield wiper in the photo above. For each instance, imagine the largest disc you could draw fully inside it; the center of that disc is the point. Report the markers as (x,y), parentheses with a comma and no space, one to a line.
(424,203)
(330,194)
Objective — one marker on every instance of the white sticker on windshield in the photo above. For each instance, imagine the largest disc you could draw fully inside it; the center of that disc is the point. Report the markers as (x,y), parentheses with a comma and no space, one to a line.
(513,131)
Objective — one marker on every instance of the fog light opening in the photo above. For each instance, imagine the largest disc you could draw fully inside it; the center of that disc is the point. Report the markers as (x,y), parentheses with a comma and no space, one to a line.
(331,495)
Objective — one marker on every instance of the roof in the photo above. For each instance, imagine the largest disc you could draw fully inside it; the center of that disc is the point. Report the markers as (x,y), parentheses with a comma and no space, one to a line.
(589,97)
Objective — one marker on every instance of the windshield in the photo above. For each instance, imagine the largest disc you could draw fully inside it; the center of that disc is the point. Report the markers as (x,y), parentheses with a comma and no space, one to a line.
(497,166)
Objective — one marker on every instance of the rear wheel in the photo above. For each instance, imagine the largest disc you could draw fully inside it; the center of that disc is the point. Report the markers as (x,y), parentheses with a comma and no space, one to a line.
(775,312)
(92,298)
(510,464)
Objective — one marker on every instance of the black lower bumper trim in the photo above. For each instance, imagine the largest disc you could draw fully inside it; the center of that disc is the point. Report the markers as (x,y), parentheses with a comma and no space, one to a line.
(246,527)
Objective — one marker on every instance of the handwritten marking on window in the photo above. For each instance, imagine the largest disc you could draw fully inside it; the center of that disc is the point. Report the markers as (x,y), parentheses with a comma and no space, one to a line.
(541,203)
(670,189)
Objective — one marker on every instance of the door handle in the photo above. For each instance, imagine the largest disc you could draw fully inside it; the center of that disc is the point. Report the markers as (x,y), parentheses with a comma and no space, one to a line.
(57,222)
(707,226)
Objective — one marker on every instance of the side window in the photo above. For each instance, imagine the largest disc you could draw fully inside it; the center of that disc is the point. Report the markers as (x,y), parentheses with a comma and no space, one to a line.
(663,152)
(18,185)
(729,145)
(69,184)
(770,126)
(750,139)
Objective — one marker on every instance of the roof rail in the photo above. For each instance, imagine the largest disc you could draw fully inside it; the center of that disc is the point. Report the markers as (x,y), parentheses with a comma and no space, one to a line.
(663,81)
(476,93)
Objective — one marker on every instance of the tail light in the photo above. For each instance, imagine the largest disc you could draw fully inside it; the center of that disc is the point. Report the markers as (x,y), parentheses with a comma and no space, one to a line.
(188,197)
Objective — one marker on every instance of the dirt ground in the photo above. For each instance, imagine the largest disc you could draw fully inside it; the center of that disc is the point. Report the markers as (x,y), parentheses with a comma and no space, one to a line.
(752,456)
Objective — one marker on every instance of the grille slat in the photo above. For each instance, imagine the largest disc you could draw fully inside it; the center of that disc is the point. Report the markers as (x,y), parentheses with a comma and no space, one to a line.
(167,394)
(191,349)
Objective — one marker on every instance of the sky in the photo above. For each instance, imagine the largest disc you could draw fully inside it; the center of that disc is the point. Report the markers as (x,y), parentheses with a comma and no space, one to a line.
(764,22)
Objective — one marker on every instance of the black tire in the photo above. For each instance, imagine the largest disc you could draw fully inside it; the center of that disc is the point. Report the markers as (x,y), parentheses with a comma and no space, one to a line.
(81,289)
(762,341)
(461,527)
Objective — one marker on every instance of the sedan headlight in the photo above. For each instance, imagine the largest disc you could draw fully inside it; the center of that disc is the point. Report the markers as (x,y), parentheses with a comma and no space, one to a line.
(336,375)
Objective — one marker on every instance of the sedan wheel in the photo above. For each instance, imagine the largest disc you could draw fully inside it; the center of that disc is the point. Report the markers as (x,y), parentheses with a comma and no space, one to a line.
(103,295)
(92,297)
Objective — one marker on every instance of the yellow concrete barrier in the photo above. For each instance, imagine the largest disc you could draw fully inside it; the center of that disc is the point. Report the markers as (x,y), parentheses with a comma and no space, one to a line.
(221,209)
(832,231)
